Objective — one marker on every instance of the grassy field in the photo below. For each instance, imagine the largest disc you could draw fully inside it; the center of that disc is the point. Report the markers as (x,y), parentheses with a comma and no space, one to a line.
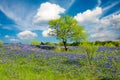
(27,62)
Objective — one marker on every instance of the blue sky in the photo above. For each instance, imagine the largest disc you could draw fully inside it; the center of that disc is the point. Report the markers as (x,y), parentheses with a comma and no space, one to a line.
(23,20)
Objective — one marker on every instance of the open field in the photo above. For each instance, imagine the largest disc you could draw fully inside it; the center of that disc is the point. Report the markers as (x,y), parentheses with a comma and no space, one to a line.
(27,62)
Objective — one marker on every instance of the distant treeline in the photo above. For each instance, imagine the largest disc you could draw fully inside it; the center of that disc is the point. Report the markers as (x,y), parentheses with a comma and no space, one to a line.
(108,43)
(97,43)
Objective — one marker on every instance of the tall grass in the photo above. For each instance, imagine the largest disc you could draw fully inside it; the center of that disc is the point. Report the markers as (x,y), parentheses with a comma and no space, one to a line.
(35,66)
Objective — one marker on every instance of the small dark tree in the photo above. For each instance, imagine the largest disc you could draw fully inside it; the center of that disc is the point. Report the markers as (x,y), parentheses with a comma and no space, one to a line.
(67,28)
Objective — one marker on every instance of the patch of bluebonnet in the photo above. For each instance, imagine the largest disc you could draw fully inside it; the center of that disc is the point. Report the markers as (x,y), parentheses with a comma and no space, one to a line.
(44,52)
(102,48)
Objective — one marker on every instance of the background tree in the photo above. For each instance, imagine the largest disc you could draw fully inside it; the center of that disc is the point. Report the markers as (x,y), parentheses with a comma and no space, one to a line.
(1,43)
(66,28)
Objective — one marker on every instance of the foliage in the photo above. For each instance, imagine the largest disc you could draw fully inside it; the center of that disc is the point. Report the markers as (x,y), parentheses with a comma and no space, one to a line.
(1,43)
(97,43)
(35,42)
(50,44)
(91,52)
(67,28)
(108,43)
(86,43)
(60,44)
(24,62)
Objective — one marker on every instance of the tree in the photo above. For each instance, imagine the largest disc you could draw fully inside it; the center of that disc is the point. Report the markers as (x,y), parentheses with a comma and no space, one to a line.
(67,28)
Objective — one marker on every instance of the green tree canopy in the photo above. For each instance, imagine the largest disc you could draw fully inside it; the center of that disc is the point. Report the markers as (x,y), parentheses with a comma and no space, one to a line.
(67,28)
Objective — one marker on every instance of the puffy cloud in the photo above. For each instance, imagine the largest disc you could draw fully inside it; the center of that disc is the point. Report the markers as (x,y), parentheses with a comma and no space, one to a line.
(7,36)
(25,35)
(111,21)
(20,13)
(104,35)
(115,21)
(110,28)
(100,28)
(14,40)
(30,14)
(89,16)
(45,33)
(90,19)
(98,35)
(48,11)
(107,28)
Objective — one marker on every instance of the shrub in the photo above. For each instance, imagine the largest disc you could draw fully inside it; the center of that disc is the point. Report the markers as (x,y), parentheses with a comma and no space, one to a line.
(50,44)
(117,43)
(86,44)
(1,43)
(90,50)
(34,42)
(60,44)
(75,44)
(109,44)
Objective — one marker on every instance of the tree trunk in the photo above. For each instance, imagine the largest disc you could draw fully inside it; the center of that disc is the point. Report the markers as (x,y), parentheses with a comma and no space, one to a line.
(65,45)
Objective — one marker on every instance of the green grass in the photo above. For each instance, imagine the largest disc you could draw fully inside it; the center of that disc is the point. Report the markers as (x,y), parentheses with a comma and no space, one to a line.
(23,68)
(59,68)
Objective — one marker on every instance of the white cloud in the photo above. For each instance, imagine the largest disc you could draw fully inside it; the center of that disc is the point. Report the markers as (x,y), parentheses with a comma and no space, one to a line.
(45,33)
(110,6)
(70,3)
(7,36)
(100,28)
(104,35)
(64,3)
(115,21)
(25,20)
(111,21)
(91,19)
(107,28)
(98,35)
(25,35)
(7,27)
(89,16)
(14,40)
(48,11)
(99,2)
(20,13)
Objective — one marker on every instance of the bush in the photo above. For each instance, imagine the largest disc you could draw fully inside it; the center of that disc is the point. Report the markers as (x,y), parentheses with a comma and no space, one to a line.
(109,44)
(1,43)
(60,44)
(50,44)
(86,44)
(117,43)
(91,52)
(75,44)
(34,42)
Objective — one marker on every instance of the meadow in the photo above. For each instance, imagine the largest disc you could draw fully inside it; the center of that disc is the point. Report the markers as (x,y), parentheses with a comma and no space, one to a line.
(29,62)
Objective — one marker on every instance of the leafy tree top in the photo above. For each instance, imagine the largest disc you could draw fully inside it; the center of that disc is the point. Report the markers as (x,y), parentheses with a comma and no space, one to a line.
(67,28)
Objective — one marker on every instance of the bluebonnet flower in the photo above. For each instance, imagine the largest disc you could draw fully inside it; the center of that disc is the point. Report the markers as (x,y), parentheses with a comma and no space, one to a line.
(102,48)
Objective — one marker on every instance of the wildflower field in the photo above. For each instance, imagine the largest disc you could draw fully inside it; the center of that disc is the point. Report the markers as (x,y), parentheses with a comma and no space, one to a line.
(28,62)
